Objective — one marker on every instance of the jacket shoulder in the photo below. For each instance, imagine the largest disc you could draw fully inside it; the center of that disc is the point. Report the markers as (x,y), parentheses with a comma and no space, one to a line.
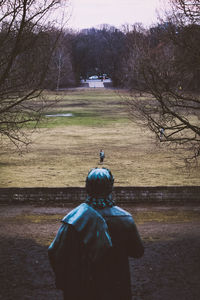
(115,211)
(80,214)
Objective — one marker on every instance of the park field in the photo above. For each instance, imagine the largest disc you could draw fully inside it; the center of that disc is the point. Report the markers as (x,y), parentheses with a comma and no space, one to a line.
(65,148)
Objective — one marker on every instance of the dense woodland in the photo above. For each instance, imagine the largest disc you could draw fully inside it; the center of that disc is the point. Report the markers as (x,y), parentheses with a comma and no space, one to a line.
(118,53)
(45,56)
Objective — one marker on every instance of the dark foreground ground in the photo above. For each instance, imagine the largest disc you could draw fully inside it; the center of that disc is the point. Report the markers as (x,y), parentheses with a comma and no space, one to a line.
(169,270)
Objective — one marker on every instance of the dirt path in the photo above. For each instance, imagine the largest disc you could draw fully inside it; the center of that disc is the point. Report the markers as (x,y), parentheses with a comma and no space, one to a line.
(170,268)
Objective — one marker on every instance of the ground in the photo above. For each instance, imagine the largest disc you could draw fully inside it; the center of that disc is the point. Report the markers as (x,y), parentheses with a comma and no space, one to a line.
(170,268)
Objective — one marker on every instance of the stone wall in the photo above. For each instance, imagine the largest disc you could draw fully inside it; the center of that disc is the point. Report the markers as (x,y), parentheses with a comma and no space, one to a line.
(122,195)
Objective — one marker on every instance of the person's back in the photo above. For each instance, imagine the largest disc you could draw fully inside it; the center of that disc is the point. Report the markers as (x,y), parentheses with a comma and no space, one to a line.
(113,269)
(90,252)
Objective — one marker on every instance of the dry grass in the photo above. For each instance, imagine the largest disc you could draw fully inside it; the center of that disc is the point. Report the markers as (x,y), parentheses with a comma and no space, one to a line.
(62,154)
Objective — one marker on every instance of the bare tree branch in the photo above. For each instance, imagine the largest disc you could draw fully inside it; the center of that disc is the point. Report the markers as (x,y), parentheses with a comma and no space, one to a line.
(159,71)
(26,49)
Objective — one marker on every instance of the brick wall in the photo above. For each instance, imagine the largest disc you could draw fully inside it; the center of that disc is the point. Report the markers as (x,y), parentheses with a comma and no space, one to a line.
(122,195)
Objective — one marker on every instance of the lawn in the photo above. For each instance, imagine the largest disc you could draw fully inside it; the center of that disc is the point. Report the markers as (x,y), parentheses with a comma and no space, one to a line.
(65,148)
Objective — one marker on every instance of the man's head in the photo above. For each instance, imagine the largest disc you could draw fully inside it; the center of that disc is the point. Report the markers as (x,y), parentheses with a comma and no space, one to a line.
(99,182)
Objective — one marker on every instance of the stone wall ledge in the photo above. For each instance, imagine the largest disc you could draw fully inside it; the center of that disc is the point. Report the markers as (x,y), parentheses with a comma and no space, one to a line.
(122,195)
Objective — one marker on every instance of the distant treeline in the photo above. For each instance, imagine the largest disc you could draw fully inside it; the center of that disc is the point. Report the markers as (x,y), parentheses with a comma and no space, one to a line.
(122,54)
(106,50)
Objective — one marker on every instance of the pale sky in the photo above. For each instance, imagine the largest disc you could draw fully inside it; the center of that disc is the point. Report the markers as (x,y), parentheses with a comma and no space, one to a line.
(90,13)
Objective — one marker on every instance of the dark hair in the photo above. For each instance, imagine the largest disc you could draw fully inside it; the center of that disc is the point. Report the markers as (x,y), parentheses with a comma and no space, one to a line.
(99,182)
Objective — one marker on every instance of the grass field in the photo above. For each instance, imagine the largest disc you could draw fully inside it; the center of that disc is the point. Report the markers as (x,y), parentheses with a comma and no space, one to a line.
(65,148)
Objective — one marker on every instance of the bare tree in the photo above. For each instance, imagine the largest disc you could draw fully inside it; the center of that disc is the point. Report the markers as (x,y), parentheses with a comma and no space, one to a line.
(186,10)
(61,65)
(26,48)
(171,108)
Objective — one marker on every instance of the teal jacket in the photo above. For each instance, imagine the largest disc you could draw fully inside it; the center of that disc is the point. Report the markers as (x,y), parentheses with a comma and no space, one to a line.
(89,254)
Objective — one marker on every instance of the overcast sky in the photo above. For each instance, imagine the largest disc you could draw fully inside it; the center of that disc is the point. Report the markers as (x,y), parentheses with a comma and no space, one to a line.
(90,13)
